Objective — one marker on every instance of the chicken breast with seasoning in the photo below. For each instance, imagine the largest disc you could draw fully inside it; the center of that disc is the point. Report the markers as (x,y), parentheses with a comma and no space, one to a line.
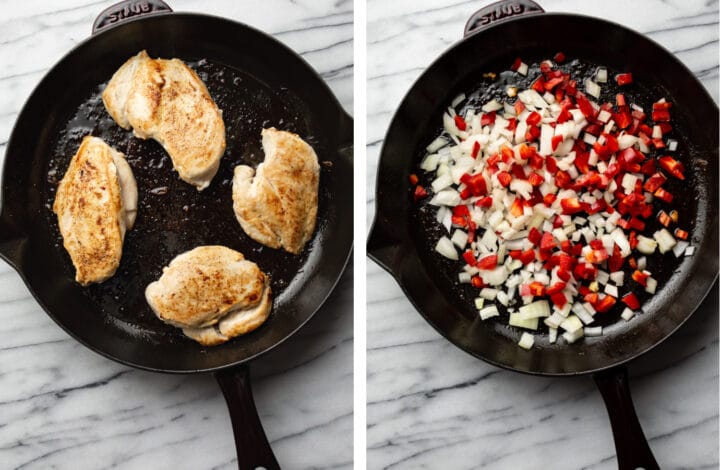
(96,203)
(213,293)
(276,204)
(166,101)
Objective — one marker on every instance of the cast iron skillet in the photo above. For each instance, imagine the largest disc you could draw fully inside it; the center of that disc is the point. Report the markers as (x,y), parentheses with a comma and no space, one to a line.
(257,82)
(494,37)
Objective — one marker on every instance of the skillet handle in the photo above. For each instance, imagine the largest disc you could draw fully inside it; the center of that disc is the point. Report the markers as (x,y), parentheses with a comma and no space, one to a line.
(127,9)
(500,11)
(631,446)
(253,448)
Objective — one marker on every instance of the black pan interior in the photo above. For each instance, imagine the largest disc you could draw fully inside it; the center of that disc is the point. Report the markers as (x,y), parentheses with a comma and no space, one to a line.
(431,281)
(258,83)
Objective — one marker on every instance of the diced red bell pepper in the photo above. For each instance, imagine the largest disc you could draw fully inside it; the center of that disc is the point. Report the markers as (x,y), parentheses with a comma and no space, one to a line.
(631,300)
(648,168)
(640,277)
(527,256)
(556,140)
(624,79)
(413,179)
(562,179)
(469,258)
(518,171)
(549,198)
(663,218)
(533,118)
(534,236)
(536,289)
(535,179)
(539,85)
(547,242)
(663,195)
(516,64)
(672,166)
(526,151)
(475,149)
(460,122)
(620,100)
(681,234)
(585,107)
(551,165)
(558,299)
(488,118)
(477,282)
(532,133)
(605,304)
(504,178)
(517,207)
(419,193)
(485,202)
(662,115)
(487,262)
(555,288)
(559,57)
(519,107)
(570,205)
(461,211)
(654,182)
(615,261)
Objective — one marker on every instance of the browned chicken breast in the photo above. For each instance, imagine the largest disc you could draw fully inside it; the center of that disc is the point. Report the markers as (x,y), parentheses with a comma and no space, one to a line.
(213,293)
(96,203)
(165,100)
(277,204)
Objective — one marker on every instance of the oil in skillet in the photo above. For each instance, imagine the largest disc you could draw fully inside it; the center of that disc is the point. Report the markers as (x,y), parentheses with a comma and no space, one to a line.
(173,216)
(426,230)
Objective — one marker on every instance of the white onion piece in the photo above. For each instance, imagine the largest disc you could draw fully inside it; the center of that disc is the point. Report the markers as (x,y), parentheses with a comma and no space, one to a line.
(516,320)
(592,88)
(526,341)
(436,144)
(523,69)
(459,238)
(572,337)
(488,293)
(446,197)
(492,105)
(601,75)
(446,248)
(479,302)
(464,278)
(489,312)
(552,335)
(593,331)
(627,314)
(646,245)
(665,240)
(537,309)
(679,249)
(441,182)
(651,286)
(689,251)
(571,324)
(494,277)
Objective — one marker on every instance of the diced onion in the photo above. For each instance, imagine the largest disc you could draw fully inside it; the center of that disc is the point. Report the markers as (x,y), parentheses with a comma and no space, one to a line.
(571,324)
(526,340)
(479,302)
(446,248)
(489,312)
(516,320)
(627,314)
(593,331)
(537,309)
(665,240)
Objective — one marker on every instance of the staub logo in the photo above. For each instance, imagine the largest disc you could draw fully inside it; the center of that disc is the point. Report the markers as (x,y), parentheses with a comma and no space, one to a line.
(502,11)
(129,10)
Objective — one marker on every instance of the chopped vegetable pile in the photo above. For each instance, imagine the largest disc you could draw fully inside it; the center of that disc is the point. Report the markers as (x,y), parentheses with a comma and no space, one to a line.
(546,200)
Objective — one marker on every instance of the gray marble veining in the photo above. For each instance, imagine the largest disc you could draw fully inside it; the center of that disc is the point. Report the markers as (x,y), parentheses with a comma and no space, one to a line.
(62,406)
(430,405)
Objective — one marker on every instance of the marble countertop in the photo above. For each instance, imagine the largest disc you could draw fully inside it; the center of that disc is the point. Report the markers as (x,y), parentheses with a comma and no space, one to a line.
(432,405)
(63,406)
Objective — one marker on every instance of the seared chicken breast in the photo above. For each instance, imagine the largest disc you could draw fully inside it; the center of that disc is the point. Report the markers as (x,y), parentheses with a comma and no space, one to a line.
(213,293)
(276,204)
(165,100)
(96,203)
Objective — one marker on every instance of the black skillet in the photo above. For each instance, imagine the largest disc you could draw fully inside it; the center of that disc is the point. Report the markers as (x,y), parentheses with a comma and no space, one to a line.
(401,237)
(257,82)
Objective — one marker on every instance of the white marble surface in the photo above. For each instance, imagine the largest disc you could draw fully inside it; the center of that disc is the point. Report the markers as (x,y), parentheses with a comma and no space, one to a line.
(434,406)
(62,406)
